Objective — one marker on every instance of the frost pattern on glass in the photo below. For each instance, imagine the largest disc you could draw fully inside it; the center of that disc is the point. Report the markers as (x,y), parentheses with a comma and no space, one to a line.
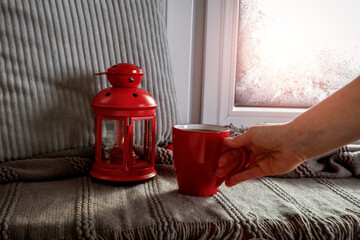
(295,53)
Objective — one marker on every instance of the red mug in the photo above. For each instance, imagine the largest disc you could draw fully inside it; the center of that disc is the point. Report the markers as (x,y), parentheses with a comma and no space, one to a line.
(196,151)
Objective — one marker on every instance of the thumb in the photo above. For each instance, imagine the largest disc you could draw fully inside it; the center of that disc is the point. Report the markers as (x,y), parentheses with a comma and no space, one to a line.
(239,141)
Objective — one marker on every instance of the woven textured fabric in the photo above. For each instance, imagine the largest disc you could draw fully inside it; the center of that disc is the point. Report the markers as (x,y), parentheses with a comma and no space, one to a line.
(49,51)
(265,208)
(54,198)
(64,164)
(343,163)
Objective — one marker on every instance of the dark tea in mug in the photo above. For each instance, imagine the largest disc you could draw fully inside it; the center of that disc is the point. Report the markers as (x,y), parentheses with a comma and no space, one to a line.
(202,130)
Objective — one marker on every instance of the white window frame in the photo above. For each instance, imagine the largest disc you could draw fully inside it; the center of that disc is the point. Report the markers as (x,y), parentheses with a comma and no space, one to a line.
(219,73)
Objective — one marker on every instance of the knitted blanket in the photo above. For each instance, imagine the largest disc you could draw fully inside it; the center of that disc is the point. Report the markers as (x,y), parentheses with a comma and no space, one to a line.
(52,197)
(343,162)
(265,208)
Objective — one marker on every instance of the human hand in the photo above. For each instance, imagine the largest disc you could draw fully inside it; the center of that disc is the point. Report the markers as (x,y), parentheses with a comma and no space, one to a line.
(270,153)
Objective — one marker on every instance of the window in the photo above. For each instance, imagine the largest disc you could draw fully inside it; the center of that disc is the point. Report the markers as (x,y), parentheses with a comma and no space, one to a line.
(268,61)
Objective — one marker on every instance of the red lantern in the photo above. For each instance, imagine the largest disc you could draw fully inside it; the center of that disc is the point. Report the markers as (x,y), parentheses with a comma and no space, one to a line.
(118,110)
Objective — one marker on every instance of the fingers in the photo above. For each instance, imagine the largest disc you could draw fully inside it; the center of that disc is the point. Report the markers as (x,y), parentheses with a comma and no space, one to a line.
(228,162)
(249,173)
(239,141)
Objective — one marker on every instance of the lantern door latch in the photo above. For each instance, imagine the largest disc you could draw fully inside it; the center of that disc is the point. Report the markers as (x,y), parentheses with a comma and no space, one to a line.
(130,129)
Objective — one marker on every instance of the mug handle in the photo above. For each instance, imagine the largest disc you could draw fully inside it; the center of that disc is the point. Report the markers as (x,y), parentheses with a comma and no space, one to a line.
(245,161)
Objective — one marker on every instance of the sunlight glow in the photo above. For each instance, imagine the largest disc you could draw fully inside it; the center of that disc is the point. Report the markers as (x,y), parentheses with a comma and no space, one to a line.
(296,53)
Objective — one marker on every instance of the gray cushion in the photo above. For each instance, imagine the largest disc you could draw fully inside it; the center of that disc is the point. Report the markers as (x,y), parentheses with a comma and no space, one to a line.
(48,53)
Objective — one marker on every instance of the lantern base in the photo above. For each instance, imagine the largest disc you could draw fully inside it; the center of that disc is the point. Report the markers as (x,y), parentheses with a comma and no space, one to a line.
(116,175)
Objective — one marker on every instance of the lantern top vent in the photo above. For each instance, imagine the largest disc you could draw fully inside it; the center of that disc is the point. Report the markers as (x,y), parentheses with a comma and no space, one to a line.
(125,75)
(124,98)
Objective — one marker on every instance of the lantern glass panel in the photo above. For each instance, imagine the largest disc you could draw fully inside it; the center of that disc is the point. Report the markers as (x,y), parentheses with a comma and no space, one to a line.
(143,130)
(113,139)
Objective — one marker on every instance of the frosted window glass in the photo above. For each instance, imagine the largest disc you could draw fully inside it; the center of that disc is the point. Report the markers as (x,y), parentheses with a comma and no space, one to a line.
(295,53)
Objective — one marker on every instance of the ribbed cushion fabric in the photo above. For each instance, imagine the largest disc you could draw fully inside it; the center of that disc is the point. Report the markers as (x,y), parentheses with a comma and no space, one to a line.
(49,51)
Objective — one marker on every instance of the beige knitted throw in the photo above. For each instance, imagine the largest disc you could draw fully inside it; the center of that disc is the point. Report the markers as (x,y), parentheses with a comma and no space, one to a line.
(52,197)
(344,162)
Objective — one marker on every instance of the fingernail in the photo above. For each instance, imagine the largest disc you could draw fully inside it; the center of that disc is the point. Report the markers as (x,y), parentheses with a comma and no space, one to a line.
(228,183)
